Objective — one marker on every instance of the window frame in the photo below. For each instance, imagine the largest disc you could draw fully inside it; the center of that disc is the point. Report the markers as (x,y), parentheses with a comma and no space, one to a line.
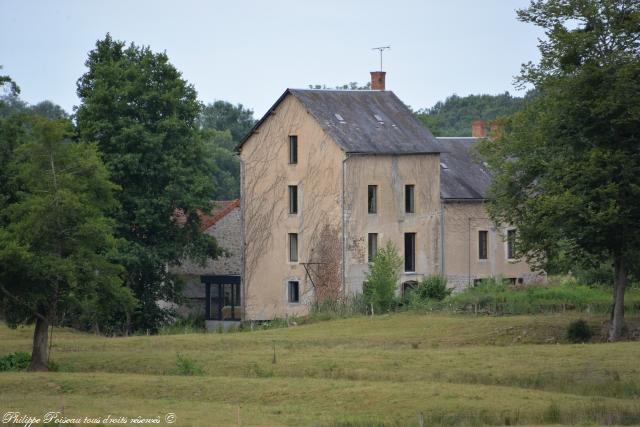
(410,262)
(410,198)
(293,200)
(372,237)
(293,149)
(486,245)
(291,238)
(372,199)
(290,294)
(510,244)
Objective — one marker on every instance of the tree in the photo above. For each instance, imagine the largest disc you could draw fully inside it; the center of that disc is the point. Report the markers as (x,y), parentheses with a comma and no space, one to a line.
(346,86)
(143,116)
(222,115)
(567,168)
(56,243)
(49,110)
(224,163)
(8,83)
(383,277)
(453,116)
(223,125)
(10,102)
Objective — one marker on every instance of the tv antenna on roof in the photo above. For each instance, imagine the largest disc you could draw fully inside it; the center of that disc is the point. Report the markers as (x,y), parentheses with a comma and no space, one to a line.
(381,49)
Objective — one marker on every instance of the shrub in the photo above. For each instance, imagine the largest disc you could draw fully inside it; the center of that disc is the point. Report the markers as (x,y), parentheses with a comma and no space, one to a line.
(493,296)
(579,331)
(18,361)
(382,278)
(193,323)
(348,306)
(186,366)
(433,288)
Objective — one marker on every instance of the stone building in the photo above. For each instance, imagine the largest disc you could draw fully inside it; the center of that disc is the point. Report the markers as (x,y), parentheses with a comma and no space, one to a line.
(328,176)
(223,223)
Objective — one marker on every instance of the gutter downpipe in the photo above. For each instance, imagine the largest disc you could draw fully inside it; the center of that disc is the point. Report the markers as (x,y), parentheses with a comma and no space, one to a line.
(344,235)
(243,258)
(442,270)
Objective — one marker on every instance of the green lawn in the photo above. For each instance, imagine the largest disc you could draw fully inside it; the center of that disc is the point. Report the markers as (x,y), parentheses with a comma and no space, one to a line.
(456,369)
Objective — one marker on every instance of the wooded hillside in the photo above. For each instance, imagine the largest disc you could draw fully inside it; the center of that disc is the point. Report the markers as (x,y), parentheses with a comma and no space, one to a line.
(453,116)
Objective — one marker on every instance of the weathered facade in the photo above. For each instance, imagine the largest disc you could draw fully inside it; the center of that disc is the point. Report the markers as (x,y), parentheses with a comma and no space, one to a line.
(329,176)
(473,247)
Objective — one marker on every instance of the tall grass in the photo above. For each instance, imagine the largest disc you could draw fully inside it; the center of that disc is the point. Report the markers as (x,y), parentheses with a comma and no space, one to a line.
(349,306)
(495,297)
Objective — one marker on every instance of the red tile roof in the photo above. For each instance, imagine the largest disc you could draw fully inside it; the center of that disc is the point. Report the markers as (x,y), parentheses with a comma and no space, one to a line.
(221,208)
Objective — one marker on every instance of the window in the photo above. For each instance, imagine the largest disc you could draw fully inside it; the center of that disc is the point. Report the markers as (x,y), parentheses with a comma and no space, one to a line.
(372,199)
(373,245)
(408,287)
(409,251)
(409,205)
(293,149)
(294,291)
(293,199)
(293,247)
(511,244)
(482,244)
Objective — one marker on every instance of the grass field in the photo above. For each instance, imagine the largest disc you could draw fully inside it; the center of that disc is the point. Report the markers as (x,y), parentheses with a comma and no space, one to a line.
(456,369)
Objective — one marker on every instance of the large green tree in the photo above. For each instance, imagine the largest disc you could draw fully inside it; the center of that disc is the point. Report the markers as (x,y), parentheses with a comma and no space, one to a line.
(56,240)
(220,148)
(222,115)
(567,168)
(143,115)
(223,125)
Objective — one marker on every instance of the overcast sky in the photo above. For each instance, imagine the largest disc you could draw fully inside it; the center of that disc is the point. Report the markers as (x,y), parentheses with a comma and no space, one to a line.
(249,51)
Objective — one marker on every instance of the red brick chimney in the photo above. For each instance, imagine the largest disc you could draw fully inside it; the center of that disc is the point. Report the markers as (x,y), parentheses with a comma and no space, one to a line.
(478,129)
(377,80)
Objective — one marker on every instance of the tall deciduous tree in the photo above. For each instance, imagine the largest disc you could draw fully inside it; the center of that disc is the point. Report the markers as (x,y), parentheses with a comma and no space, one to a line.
(225,163)
(143,116)
(567,168)
(222,115)
(56,242)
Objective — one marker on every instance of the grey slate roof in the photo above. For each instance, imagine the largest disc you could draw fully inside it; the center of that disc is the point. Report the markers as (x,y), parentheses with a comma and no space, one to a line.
(364,121)
(461,176)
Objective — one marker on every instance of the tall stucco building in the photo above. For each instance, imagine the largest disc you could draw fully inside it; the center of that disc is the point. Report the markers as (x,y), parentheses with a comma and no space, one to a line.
(328,176)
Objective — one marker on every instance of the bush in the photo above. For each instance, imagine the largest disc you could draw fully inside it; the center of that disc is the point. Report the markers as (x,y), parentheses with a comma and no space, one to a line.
(193,323)
(579,331)
(494,297)
(18,361)
(186,366)
(433,288)
(348,306)
(382,278)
